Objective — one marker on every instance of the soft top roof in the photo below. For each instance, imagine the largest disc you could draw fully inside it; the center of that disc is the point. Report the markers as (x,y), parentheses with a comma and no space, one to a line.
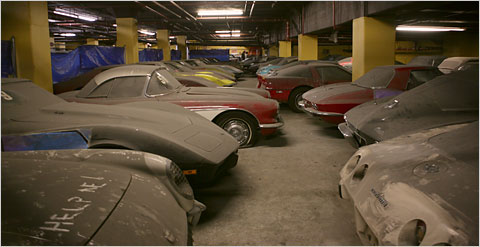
(127,70)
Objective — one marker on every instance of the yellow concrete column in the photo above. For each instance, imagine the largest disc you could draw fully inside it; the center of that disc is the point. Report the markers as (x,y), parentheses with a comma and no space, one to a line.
(92,41)
(273,51)
(164,43)
(28,23)
(285,48)
(182,45)
(295,51)
(373,45)
(127,37)
(307,47)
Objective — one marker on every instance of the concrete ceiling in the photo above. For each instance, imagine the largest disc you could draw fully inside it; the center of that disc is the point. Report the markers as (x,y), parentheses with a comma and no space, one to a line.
(260,21)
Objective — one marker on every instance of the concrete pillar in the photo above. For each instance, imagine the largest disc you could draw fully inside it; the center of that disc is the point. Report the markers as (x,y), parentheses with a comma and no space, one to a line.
(92,41)
(285,48)
(373,45)
(307,47)
(182,45)
(295,51)
(164,43)
(28,23)
(273,51)
(127,37)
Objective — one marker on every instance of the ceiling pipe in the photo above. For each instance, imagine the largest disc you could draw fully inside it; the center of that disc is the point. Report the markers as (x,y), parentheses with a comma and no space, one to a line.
(287,33)
(184,11)
(303,19)
(333,15)
(245,8)
(154,11)
(165,8)
(251,10)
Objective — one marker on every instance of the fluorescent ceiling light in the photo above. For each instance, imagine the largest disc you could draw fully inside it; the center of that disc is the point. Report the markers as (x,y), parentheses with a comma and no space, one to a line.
(228,35)
(219,12)
(146,32)
(114,25)
(51,20)
(428,29)
(171,37)
(228,31)
(68,34)
(66,13)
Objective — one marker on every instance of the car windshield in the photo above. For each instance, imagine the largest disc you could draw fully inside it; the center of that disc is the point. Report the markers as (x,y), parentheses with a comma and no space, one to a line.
(378,77)
(162,82)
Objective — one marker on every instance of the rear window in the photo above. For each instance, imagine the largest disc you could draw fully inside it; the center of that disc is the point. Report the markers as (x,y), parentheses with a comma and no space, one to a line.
(131,86)
(296,71)
(378,77)
(332,74)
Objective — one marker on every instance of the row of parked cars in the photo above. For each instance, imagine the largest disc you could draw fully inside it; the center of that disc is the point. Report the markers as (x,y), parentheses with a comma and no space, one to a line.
(414,178)
(111,158)
(120,142)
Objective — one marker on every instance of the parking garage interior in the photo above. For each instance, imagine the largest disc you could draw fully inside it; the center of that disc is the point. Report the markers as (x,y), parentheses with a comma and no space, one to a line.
(285,188)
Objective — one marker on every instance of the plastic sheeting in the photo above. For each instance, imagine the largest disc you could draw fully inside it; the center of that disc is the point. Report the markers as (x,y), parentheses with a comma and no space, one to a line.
(147,55)
(175,55)
(222,55)
(65,66)
(7,62)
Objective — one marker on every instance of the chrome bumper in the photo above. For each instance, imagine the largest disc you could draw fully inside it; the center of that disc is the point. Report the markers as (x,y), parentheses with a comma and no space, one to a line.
(273,125)
(348,134)
(194,214)
(316,113)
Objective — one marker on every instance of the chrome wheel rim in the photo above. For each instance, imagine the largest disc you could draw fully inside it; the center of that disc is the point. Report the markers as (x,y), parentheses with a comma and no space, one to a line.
(239,130)
(298,98)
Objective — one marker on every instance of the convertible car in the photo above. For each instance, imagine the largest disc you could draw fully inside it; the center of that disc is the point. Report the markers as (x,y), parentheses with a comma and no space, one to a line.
(288,85)
(445,100)
(95,197)
(416,189)
(198,64)
(179,66)
(238,112)
(330,102)
(262,71)
(200,148)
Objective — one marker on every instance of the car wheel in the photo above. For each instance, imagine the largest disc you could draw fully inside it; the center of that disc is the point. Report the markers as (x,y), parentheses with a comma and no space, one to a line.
(295,97)
(240,125)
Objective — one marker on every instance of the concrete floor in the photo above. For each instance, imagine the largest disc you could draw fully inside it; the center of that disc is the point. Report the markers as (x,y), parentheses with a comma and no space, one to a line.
(283,191)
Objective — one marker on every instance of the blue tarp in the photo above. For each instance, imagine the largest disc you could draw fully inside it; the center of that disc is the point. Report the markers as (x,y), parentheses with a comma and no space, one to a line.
(7,63)
(222,55)
(65,66)
(175,55)
(147,55)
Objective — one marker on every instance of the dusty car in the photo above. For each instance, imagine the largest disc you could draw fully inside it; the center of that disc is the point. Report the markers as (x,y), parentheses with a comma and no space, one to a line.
(330,102)
(416,189)
(178,66)
(200,148)
(433,60)
(288,85)
(453,63)
(238,112)
(447,99)
(95,197)
(266,69)
(198,64)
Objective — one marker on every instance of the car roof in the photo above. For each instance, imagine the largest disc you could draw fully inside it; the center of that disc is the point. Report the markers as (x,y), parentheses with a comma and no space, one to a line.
(127,70)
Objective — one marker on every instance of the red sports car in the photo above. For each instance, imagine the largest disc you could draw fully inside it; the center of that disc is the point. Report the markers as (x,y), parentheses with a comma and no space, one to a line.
(287,85)
(242,114)
(330,102)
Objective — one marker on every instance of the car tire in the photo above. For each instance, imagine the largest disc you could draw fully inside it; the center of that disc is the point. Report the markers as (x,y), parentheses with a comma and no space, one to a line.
(295,97)
(241,126)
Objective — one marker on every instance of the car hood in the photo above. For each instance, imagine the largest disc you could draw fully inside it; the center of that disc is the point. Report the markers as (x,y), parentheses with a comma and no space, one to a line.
(70,199)
(338,93)
(445,100)
(433,171)
(166,116)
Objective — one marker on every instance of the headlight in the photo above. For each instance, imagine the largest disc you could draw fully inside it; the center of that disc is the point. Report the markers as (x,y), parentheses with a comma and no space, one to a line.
(179,181)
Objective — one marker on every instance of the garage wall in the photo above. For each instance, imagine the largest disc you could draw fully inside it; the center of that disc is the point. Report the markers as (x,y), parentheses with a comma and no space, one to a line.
(460,45)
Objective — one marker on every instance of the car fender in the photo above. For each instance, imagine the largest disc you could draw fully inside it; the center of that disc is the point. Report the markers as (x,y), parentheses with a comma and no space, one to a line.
(212,113)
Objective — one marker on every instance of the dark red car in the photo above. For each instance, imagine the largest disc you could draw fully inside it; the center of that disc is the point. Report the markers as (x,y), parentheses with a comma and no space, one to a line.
(287,85)
(330,102)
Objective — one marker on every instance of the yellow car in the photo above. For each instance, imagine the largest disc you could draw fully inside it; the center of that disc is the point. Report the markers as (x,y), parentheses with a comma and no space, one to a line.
(210,77)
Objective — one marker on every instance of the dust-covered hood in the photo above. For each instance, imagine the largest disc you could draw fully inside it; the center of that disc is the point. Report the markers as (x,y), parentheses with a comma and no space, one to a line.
(445,100)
